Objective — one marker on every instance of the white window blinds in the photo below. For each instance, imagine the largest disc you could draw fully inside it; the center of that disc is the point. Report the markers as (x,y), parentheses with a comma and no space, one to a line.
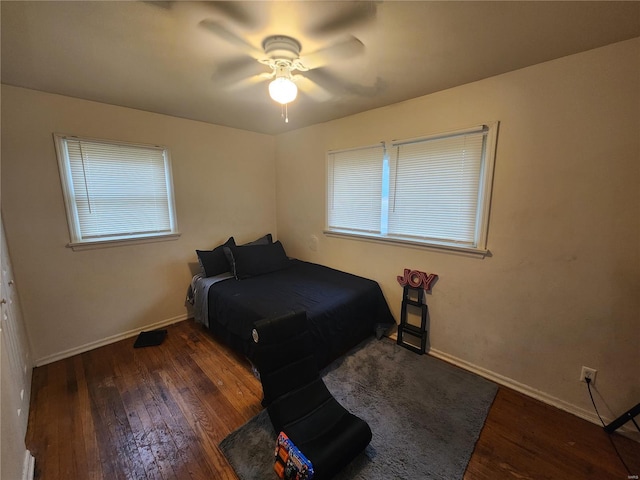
(355,189)
(431,190)
(115,191)
(434,188)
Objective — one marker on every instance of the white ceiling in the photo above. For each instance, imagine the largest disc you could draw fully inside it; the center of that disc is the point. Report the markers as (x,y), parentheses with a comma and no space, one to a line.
(156,56)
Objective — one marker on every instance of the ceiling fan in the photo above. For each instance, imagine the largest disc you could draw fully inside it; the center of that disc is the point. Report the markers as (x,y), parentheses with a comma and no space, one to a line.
(283,57)
(282,54)
(289,67)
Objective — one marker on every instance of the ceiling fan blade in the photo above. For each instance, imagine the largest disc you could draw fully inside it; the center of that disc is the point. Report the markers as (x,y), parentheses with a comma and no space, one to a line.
(341,87)
(235,12)
(221,31)
(312,89)
(236,70)
(249,81)
(167,5)
(338,51)
(358,12)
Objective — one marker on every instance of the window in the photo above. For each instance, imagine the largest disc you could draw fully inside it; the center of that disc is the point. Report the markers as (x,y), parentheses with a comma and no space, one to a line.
(355,189)
(115,191)
(432,190)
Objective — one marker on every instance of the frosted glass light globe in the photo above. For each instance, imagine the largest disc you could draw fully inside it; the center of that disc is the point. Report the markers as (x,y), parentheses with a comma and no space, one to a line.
(283,90)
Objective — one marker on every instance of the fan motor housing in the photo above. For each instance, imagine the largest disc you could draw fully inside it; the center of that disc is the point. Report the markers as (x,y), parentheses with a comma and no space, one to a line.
(281,46)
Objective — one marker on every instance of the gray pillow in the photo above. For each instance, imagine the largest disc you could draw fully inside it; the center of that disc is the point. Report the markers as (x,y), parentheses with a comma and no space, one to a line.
(265,240)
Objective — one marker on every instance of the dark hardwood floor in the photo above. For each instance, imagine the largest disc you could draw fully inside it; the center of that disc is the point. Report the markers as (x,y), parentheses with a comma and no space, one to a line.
(160,412)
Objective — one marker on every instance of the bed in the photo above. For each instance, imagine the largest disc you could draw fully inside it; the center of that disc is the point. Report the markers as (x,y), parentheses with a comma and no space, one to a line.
(342,309)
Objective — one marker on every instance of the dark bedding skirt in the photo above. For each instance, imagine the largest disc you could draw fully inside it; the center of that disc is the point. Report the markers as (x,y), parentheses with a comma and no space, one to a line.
(342,309)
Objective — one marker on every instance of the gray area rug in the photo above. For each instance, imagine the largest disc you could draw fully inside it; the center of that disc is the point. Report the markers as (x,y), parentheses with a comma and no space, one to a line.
(425,415)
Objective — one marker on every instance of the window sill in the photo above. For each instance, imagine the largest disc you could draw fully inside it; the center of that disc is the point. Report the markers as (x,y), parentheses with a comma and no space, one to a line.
(444,248)
(79,246)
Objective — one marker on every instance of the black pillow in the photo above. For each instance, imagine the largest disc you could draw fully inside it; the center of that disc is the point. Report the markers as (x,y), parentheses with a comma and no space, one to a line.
(217,261)
(214,262)
(252,260)
(264,240)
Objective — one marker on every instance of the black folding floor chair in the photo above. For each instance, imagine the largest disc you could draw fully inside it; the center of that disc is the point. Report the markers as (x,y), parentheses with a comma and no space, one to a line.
(297,400)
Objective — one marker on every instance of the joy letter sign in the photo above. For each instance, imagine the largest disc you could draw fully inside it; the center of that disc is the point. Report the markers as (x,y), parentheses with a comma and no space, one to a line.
(416,279)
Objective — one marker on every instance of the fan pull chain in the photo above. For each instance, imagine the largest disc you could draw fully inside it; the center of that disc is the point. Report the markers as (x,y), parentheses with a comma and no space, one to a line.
(285,112)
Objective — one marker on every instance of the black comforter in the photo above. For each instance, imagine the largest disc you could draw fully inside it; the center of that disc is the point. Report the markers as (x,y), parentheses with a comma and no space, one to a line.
(342,309)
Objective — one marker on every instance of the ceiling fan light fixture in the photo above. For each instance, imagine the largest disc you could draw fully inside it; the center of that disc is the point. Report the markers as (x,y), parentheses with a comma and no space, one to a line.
(283,90)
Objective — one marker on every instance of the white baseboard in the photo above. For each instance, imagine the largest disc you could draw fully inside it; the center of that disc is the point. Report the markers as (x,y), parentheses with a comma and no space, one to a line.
(29,466)
(106,341)
(528,391)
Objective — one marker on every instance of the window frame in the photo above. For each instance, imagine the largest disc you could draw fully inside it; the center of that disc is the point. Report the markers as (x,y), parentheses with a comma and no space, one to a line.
(485,187)
(77,242)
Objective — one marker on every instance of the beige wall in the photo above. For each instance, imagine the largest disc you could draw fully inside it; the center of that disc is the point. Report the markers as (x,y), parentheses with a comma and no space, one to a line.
(224,183)
(561,287)
(559,291)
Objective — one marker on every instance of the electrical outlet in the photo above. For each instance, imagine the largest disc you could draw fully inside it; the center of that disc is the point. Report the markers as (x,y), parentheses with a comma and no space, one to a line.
(589,373)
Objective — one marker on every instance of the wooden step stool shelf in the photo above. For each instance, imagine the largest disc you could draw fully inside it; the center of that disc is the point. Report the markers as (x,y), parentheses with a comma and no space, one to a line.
(413,296)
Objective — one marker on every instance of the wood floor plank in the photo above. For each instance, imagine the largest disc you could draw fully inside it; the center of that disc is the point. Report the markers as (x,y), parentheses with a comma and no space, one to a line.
(526,439)
(206,428)
(178,442)
(223,367)
(53,398)
(70,459)
(196,396)
(87,442)
(160,412)
(214,414)
(146,439)
(38,386)
(111,419)
(162,407)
